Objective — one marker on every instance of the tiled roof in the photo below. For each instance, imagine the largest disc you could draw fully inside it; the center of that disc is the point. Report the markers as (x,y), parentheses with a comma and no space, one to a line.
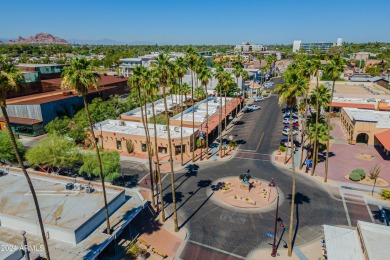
(21,121)
(384,139)
(384,107)
(354,105)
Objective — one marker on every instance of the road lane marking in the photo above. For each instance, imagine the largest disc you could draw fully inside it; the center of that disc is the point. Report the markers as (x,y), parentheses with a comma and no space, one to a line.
(216,249)
(345,208)
(261,138)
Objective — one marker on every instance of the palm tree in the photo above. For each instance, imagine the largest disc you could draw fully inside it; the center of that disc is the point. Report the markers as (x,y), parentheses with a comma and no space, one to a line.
(151,89)
(192,58)
(245,77)
(306,69)
(199,93)
(334,69)
(320,98)
(318,138)
(80,78)
(237,71)
(293,87)
(221,76)
(205,75)
(164,73)
(140,77)
(180,71)
(186,89)
(10,78)
(227,84)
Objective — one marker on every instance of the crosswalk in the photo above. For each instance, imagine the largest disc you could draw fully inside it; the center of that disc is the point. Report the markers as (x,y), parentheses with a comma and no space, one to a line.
(252,155)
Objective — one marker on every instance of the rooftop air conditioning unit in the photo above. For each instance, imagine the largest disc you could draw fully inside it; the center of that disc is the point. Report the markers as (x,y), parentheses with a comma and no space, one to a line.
(69,186)
(164,128)
(177,129)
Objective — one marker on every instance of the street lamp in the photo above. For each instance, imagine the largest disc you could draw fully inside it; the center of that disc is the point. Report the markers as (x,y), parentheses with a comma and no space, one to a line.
(277,219)
(27,254)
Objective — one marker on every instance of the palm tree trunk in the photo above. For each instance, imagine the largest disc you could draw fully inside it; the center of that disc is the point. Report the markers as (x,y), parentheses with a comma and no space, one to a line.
(148,145)
(100,165)
(290,230)
(158,165)
(220,125)
(315,150)
(237,98)
(181,121)
(193,117)
(176,227)
(226,117)
(301,160)
(29,182)
(327,141)
(207,124)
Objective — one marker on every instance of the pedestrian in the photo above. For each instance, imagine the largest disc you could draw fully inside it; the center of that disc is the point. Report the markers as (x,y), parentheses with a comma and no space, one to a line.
(146,181)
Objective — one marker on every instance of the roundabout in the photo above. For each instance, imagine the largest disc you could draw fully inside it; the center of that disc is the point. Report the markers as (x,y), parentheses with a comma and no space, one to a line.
(251,196)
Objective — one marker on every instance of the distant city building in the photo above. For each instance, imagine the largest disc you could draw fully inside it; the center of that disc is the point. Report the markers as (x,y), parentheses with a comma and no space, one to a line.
(361,55)
(320,46)
(247,47)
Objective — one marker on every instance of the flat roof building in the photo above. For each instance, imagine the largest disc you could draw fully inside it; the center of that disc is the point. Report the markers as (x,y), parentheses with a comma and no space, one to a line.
(361,125)
(367,241)
(72,211)
(247,47)
(320,46)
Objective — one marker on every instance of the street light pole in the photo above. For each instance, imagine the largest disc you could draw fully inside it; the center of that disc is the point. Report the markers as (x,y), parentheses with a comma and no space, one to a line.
(27,254)
(273,254)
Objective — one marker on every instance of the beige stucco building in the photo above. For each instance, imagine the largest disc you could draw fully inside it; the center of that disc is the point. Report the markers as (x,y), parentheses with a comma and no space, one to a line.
(361,125)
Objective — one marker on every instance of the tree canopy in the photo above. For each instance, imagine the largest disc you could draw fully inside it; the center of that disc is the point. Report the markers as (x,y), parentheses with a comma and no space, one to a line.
(110,161)
(7,152)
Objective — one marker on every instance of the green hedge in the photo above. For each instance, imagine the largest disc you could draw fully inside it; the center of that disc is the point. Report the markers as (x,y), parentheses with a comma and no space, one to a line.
(282,148)
(385,193)
(361,172)
(355,176)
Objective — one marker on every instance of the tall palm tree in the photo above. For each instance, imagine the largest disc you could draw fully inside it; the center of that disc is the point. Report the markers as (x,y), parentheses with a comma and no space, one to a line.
(151,90)
(245,77)
(205,75)
(180,71)
(307,69)
(293,87)
(10,78)
(221,76)
(320,98)
(227,84)
(186,89)
(237,71)
(139,79)
(191,59)
(164,73)
(80,78)
(334,69)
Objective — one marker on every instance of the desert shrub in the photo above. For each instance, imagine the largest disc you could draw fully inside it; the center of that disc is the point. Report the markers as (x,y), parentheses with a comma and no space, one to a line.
(386,193)
(361,172)
(355,176)
(265,95)
(282,148)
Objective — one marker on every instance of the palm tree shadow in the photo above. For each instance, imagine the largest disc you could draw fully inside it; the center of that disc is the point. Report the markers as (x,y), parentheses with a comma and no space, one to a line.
(192,171)
(168,198)
(196,211)
(300,199)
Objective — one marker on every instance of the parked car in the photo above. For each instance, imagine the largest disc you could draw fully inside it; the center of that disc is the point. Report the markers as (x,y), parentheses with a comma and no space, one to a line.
(287,121)
(248,109)
(294,124)
(254,107)
(287,109)
(288,127)
(285,141)
(287,132)
(288,116)
(2,173)
(260,98)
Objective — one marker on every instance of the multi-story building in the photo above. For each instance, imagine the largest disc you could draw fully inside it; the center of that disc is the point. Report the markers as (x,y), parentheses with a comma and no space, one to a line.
(311,46)
(246,48)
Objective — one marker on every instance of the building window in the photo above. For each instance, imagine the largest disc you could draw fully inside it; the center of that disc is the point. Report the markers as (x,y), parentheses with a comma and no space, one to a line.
(119,144)
(178,149)
(162,149)
(143,146)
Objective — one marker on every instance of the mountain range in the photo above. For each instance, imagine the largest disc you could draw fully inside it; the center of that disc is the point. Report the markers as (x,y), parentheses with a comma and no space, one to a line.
(46,38)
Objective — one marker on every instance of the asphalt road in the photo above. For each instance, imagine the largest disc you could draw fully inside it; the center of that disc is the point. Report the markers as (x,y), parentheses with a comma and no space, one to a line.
(218,233)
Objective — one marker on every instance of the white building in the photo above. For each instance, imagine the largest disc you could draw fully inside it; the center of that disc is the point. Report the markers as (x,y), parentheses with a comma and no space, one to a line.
(320,46)
(247,47)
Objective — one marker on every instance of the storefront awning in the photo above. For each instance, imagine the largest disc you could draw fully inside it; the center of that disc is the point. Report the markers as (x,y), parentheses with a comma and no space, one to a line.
(384,139)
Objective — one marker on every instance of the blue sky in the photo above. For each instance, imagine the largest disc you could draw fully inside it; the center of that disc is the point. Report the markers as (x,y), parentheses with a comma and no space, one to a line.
(200,21)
